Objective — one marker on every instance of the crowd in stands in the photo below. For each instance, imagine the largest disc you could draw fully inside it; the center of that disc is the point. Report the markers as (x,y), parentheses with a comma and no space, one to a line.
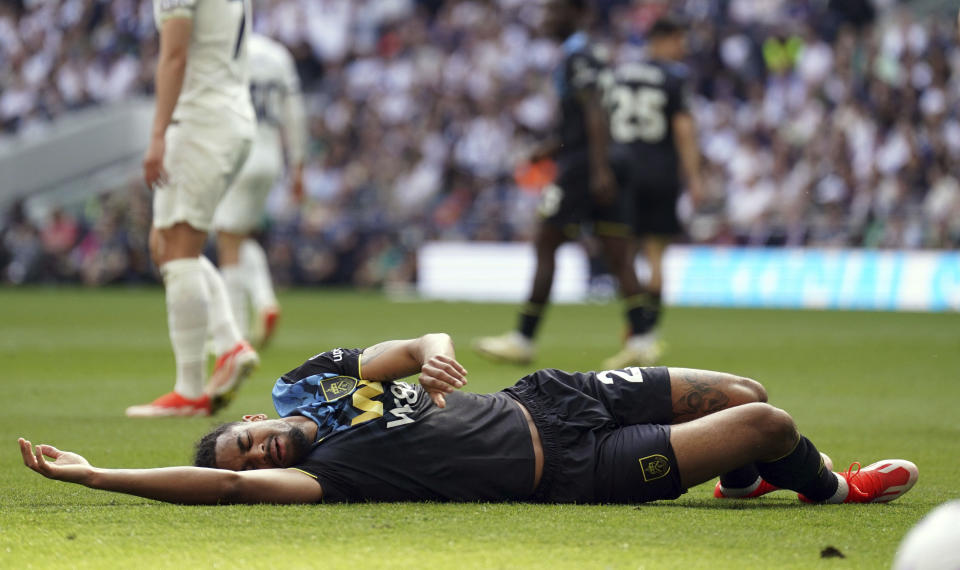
(822,123)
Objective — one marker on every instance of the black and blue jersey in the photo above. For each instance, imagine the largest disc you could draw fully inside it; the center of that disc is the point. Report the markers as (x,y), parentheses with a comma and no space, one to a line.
(387,441)
(579,71)
(642,101)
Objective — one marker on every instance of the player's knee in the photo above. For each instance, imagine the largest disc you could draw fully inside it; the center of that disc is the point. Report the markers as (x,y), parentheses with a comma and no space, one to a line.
(774,427)
(155,243)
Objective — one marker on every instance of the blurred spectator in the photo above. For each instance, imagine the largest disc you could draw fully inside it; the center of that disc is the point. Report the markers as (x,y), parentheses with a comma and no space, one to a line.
(822,123)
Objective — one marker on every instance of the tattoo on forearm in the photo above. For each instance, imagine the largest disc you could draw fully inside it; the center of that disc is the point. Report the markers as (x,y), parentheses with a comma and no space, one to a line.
(371,353)
(393,371)
(697,395)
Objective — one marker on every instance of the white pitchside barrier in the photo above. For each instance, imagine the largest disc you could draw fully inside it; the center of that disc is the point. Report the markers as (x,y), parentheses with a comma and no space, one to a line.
(712,276)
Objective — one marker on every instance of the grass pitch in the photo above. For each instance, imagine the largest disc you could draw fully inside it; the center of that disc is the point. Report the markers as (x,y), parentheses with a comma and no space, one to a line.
(862,386)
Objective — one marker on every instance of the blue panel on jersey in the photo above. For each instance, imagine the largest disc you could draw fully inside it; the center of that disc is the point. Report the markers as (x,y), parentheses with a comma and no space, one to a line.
(322,398)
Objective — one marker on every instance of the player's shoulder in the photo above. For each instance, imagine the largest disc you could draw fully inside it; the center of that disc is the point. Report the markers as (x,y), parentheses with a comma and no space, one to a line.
(336,355)
(581,46)
(334,362)
(266,44)
(268,54)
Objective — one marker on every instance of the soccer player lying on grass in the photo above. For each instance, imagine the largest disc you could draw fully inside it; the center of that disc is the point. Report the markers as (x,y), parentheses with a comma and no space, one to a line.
(350,431)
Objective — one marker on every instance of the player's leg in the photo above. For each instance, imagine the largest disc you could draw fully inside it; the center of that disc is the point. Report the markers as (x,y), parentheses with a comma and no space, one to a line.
(200,162)
(653,248)
(236,359)
(642,347)
(516,346)
(661,395)
(696,393)
(266,308)
(548,240)
(228,256)
(676,395)
(767,437)
(238,215)
(645,462)
(223,333)
(176,251)
(563,207)
(617,252)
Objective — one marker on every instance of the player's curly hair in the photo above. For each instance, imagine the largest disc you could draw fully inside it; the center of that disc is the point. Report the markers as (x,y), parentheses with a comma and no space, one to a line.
(205,454)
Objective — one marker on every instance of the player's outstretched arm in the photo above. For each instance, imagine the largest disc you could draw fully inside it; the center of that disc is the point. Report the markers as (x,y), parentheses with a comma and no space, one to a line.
(431,355)
(183,485)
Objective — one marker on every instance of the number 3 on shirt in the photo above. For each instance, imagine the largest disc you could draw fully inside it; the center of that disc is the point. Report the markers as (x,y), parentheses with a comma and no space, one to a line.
(629,374)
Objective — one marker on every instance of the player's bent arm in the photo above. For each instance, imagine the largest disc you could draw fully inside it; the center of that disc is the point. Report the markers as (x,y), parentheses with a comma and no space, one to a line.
(431,355)
(182,485)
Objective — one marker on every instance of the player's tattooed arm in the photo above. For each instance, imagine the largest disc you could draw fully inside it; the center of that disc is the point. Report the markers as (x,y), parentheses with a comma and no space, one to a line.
(697,393)
(373,367)
(431,355)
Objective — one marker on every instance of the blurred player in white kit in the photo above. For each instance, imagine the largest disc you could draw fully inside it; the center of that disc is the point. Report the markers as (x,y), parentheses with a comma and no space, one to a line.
(202,131)
(281,131)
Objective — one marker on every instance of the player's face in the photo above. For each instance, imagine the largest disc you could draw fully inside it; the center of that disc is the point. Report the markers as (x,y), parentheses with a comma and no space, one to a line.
(267,444)
(678,46)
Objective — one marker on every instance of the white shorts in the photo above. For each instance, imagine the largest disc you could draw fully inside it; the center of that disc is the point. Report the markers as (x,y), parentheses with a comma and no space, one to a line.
(241,210)
(201,163)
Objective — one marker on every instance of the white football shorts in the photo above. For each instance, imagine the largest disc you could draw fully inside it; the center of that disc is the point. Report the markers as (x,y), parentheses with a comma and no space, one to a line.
(241,210)
(201,163)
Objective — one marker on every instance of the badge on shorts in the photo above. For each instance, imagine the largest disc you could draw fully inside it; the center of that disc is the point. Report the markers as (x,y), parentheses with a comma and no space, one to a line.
(337,387)
(654,467)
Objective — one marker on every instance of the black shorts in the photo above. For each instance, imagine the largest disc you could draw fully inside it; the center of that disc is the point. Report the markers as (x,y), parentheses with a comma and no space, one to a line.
(656,214)
(605,435)
(569,204)
(654,184)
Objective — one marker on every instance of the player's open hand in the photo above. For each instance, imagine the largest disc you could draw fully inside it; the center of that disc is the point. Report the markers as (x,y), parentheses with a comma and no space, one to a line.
(441,375)
(153,172)
(66,466)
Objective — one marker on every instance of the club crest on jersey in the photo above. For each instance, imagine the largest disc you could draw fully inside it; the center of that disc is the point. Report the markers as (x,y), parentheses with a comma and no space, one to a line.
(654,467)
(337,387)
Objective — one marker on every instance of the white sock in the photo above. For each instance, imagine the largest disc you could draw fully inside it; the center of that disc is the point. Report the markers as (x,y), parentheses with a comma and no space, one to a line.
(236,286)
(224,334)
(259,285)
(641,341)
(843,489)
(188,300)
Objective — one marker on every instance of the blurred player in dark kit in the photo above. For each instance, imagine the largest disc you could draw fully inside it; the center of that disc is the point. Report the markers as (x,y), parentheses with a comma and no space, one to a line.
(589,187)
(650,117)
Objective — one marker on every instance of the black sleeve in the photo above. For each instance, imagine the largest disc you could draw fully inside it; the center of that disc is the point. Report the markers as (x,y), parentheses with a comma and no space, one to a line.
(339,361)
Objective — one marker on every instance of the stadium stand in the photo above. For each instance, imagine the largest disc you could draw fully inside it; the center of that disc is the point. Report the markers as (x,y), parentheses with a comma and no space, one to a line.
(822,124)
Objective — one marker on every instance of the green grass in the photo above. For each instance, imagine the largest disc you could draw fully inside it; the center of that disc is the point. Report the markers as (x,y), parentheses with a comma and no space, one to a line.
(863,386)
